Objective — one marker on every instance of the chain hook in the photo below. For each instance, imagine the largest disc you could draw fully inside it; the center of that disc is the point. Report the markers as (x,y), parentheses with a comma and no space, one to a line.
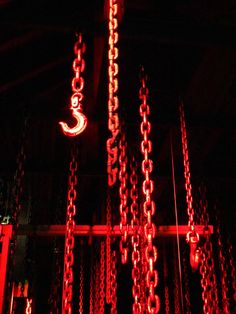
(193,239)
(81,123)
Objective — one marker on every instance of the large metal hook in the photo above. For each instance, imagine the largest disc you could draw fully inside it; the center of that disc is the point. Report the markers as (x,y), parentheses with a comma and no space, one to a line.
(80,125)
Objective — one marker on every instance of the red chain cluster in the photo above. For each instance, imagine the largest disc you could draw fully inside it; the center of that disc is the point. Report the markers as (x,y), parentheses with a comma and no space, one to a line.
(123,198)
(113,103)
(69,238)
(135,238)
(153,301)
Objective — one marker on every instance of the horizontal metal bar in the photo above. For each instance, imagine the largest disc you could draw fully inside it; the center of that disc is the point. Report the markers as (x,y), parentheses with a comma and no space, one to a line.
(101,230)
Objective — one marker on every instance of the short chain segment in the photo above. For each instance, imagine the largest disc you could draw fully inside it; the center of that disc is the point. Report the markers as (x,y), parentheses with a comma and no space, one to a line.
(69,237)
(123,191)
(153,301)
(135,238)
(113,102)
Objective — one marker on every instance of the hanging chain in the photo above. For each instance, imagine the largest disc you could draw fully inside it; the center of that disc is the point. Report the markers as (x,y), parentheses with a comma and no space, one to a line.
(207,266)
(123,190)
(113,283)
(28,309)
(186,285)
(81,282)
(177,286)
(102,278)
(77,89)
(135,238)
(166,288)
(97,287)
(232,269)
(153,301)
(108,250)
(69,237)
(223,272)
(91,290)
(192,236)
(113,102)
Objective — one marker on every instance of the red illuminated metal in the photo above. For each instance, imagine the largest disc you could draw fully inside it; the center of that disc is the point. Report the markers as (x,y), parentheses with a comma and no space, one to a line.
(5,237)
(113,102)
(123,191)
(102,278)
(153,301)
(69,238)
(28,309)
(101,230)
(135,239)
(77,88)
(192,236)
(108,250)
(113,283)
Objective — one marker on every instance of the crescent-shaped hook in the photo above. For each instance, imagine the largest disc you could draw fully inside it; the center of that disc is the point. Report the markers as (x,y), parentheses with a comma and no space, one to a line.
(79,127)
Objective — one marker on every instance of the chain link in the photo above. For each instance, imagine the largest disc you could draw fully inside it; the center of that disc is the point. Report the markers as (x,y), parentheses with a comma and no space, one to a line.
(153,301)
(113,102)
(69,237)
(123,191)
(102,278)
(108,250)
(113,283)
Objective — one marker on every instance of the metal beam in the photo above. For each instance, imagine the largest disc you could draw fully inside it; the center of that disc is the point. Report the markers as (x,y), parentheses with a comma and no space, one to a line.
(101,230)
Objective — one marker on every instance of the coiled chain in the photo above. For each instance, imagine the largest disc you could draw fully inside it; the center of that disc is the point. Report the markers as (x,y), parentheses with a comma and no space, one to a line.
(113,283)
(69,237)
(135,238)
(123,191)
(113,102)
(153,301)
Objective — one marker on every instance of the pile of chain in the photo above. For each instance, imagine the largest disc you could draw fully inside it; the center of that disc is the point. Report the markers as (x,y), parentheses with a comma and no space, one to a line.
(153,301)
(69,237)
(113,102)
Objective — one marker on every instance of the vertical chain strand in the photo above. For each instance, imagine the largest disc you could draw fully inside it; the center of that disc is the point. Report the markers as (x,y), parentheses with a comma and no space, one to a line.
(192,236)
(102,278)
(135,238)
(81,284)
(123,191)
(69,237)
(108,250)
(113,102)
(97,287)
(113,283)
(153,301)
(232,269)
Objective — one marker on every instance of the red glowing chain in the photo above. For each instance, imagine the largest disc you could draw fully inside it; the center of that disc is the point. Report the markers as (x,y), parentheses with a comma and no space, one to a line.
(77,88)
(108,250)
(69,238)
(153,301)
(102,278)
(135,239)
(123,199)
(81,285)
(192,236)
(91,290)
(113,283)
(113,103)
(232,268)
(97,287)
(28,309)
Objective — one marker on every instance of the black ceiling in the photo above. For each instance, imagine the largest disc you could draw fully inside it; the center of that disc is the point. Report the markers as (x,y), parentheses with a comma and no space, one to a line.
(188,49)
